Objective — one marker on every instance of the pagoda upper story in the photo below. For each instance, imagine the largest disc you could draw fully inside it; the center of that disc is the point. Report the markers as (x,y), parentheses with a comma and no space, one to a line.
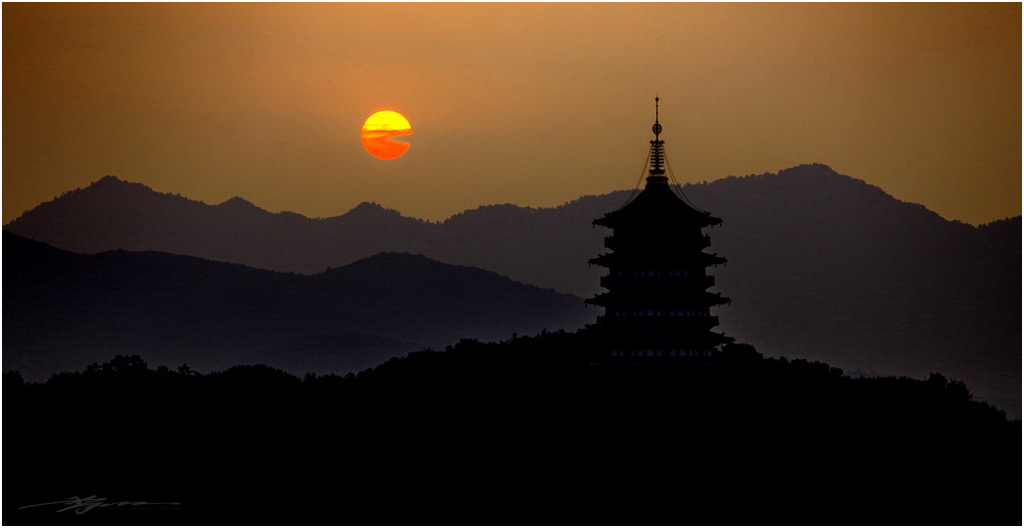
(657,306)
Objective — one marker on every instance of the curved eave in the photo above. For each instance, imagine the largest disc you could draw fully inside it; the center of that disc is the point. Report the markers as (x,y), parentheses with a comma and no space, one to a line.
(657,205)
(604,259)
(713,259)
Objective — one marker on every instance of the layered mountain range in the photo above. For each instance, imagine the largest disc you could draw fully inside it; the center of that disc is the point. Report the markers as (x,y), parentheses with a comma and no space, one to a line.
(63,310)
(821,266)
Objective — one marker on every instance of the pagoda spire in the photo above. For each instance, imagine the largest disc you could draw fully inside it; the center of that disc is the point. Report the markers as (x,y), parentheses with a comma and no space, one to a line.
(657,126)
(656,174)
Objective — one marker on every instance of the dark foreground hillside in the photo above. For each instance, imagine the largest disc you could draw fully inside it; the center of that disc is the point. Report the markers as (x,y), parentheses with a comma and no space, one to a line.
(522,432)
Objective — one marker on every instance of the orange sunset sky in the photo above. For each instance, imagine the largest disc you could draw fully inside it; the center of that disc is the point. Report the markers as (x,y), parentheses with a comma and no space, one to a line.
(533,104)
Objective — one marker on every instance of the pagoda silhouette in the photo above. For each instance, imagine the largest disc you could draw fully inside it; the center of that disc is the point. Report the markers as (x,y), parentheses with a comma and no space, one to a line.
(657,307)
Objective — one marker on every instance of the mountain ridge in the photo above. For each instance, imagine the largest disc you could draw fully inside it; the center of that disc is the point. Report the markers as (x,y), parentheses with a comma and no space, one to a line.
(819,169)
(820,265)
(63,309)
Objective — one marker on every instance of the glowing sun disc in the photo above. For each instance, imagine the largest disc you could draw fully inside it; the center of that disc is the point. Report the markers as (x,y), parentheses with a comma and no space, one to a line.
(379,128)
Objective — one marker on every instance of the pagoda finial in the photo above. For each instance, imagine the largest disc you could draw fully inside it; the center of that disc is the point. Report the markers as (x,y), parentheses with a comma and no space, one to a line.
(657,161)
(657,126)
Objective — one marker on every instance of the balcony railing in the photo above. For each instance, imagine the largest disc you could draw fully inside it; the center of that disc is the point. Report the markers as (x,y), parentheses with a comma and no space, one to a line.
(665,280)
(617,241)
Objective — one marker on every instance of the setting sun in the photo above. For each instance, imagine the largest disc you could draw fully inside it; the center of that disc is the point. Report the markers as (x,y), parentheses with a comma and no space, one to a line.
(379,128)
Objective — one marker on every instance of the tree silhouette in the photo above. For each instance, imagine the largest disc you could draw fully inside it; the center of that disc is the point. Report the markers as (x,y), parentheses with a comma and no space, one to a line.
(486,433)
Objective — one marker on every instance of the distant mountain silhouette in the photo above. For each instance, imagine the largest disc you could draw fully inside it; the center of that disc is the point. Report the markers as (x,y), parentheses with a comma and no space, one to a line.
(63,310)
(821,265)
(114,214)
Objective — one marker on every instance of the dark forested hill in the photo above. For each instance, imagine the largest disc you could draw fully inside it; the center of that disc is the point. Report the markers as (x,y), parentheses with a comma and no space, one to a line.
(522,432)
(63,310)
(865,281)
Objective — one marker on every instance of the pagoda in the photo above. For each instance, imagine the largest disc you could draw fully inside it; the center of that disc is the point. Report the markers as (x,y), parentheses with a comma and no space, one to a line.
(657,307)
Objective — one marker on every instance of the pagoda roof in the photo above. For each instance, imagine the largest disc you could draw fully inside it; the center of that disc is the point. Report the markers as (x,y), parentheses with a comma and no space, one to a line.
(657,205)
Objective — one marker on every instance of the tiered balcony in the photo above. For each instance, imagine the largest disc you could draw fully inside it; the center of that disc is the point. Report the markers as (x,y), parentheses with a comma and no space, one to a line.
(660,280)
(615,242)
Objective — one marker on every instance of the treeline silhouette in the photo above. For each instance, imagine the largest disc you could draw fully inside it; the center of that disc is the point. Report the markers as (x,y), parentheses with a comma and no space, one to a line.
(527,431)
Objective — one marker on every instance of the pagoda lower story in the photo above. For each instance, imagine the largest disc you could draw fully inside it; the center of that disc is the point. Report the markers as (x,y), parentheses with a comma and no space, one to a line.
(657,305)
